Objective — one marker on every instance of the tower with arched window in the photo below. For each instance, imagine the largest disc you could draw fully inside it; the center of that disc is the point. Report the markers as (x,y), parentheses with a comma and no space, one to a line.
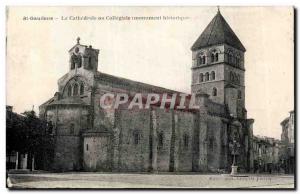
(83,57)
(222,73)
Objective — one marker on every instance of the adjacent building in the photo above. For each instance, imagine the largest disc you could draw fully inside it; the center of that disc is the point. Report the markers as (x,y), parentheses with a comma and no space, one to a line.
(266,154)
(288,144)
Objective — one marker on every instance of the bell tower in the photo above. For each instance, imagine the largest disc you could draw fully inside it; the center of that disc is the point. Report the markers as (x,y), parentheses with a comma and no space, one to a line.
(218,66)
(83,57)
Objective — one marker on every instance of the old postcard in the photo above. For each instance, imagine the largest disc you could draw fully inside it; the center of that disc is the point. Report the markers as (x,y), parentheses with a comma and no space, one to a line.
(150,97)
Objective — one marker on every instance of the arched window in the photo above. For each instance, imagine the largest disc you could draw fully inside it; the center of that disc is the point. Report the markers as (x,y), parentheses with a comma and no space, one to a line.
(79,65)
(239,94)
(73,61)
(215,92)
(213,75)
(72,128)
(211,144)
(72,65)
(160,139)
(199,61)
(79,61)
(212,57)
(136,138)
(69,90)
(201,77)
(186,140)
(203,59)
(230,58)
(234,60)
(75,90)
(49,127)
(231,76)
(206,76)
(236,78)
(90,61)
(81,88)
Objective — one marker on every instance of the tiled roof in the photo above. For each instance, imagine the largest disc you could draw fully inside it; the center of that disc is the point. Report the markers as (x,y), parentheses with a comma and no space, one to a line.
(139,86)
(218,32)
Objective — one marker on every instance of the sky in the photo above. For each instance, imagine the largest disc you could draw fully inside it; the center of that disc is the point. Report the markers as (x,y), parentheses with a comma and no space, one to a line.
(155,52)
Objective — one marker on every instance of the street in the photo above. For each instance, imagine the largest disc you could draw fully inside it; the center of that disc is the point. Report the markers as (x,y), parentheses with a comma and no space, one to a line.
(111,180)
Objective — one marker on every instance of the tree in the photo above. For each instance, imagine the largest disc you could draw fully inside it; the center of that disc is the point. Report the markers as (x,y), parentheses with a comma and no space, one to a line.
(28,134)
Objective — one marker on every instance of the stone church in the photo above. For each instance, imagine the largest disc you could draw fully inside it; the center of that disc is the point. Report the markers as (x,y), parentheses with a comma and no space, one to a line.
(89,138)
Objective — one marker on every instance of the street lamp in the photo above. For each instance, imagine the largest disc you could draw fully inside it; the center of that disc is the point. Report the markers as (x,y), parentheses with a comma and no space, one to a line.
(235,145)
(234,149)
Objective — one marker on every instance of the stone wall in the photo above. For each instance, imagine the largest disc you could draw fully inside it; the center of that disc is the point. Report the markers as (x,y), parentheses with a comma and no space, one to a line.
(133,146)
(164,133)
(97,152)
(208,88)
(184,129)
(214,141)
(67,156)
(69,122)
(165,130)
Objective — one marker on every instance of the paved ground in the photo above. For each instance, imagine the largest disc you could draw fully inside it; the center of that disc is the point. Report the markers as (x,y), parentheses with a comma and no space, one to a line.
(100,180)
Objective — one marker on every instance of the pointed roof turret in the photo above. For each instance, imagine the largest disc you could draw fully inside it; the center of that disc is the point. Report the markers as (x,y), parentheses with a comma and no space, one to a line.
(218,32)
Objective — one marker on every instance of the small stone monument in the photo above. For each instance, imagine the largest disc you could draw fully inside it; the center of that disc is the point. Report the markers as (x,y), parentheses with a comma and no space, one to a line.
(234,151)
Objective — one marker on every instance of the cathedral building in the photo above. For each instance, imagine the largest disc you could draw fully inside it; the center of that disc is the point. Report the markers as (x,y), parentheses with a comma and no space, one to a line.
(90,138)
